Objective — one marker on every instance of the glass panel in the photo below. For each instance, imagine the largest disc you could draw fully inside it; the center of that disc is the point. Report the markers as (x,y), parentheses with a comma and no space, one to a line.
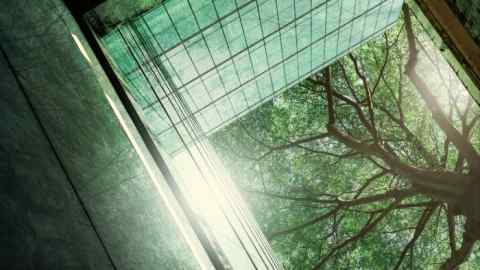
(251,93)
(214,84)
(259,59)
(304,31)
(200,55)
(289,41)
(302,7)
(217,44)
(291,69)
(304,61)
(331,46)
(228,75)
(244,67)
(224,7)
(183,66)
(333,15)
(182,17)
(198,93)
(344,38)
(206,14)
(264,85)
(235,39)
(286,11)
(251,23)
(274,49)
(238,101)
(319,23)
(268,16)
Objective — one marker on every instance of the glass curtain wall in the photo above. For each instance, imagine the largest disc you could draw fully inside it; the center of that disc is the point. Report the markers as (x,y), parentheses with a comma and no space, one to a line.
(226,57)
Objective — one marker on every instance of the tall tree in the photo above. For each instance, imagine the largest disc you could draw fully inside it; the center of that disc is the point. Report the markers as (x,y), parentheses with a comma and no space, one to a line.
(376,154)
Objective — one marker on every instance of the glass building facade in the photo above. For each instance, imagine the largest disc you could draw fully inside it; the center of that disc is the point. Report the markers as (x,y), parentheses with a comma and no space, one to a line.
(221,59)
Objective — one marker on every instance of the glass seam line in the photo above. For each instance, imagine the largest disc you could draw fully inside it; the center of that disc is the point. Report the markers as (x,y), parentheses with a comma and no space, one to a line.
(174,187)
(280,63)
(293,82)
(201,171)
(219,21)
(284,59)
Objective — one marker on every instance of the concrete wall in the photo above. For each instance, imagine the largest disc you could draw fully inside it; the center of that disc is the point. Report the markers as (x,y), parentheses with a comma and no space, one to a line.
(42,225)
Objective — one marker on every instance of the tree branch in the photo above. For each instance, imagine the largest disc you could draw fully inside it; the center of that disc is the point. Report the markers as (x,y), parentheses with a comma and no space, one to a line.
(451,230)
(369,226)
(398,195)
(296,143)
(459,141)
(459,256)
(304,225)
(425,217)
(368,94)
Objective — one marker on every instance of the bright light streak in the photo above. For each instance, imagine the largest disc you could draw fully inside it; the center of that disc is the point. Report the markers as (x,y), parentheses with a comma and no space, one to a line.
(439,75)
(80,46)
(202,196)
(161,190)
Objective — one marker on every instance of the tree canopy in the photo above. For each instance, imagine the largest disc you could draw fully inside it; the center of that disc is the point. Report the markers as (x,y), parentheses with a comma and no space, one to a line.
(372,163)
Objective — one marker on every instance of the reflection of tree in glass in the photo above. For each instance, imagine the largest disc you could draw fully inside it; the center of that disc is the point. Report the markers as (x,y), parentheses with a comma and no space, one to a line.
(371,164)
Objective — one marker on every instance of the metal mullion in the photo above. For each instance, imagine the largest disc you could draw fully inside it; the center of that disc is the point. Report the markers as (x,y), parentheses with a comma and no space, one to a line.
(201,171)
(250,232)
(296,36)
(169,85)
(311,35)
(255,43)
(202,29)
(179,112)
(164,54)
(232,227)
(351,27)
(264,45)
(321,65)
(139,76)
(199,149)
(339,23)
(377,13)
(255,226)
(326,33)
(365,19)
(211,58)
(128,79)
(209,25)
(358,43)
(199,231)
(229,53)
(276,65)
(283,61)
(390,11)
(197,111)
(248,48)
(280,28)
(220,79)
(191,60)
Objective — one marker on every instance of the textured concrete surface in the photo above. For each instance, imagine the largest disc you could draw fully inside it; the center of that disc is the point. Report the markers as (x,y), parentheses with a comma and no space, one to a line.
(42,225)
